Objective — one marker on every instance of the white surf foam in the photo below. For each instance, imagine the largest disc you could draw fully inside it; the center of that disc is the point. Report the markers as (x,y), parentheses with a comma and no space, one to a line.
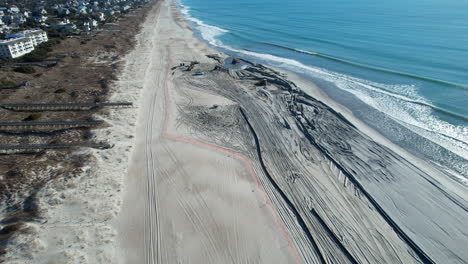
(208,32)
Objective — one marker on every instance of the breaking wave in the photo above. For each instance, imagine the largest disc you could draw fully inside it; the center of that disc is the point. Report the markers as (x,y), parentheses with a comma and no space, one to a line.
(208,32)
(374,68)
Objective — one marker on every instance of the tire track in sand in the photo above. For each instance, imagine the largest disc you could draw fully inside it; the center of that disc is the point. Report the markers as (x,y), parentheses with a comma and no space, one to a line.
(151,222)
(238,155)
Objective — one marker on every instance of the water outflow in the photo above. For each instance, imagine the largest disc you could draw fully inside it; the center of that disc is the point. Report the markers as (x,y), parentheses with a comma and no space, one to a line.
(400,67)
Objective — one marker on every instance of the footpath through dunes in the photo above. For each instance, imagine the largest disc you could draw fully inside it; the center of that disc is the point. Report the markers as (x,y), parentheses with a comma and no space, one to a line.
(230,168)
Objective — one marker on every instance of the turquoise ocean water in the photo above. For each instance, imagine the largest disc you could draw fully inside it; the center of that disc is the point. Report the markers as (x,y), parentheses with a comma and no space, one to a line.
(400,66)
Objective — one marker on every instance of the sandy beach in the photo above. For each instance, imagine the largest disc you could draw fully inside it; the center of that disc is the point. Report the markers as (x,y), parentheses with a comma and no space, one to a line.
(218,210)
(244,165)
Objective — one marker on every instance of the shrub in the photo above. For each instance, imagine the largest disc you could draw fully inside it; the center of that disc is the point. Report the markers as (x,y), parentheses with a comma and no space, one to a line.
(13,173)
(39,54)
(60,90)
(103,83)
(41,51)
(5,82)
(87,134)
(33,58)
(33,117)
(54,34)
(9,229)
(25,69)
(263,82)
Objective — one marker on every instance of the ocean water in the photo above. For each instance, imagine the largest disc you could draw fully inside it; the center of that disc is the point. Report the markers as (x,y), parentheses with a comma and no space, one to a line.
(400,66)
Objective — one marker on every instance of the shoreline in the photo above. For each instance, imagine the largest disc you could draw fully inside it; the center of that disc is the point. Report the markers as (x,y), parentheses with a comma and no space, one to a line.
(427,166)
(444,176)
(446,152)
(187,127)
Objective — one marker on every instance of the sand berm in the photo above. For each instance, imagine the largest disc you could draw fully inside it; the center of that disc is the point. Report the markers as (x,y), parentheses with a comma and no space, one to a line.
(229,168)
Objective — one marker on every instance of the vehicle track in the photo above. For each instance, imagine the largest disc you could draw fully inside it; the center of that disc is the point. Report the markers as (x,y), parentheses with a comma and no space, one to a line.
(237,155)
(151,221)
(280,191)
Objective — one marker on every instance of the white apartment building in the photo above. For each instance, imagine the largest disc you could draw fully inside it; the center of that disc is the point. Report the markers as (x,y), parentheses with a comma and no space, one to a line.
(37,36)
(23,44)
(14,48)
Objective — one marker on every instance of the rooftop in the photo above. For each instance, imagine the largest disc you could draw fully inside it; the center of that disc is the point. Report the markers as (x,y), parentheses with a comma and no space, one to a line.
(13,41)
(31,31)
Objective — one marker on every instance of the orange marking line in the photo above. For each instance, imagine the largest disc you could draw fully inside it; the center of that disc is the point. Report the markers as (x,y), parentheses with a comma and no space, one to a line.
(237,154)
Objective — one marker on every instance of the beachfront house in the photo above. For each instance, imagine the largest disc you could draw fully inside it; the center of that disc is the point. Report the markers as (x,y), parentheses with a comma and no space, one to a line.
(40,19)
(93,23)
(4,28)
(99,16)
(14,9)
(65,26)
(18,19)
(86,26)
(125,8)
(109,12)
(62,11)
(82,11)
(89,24)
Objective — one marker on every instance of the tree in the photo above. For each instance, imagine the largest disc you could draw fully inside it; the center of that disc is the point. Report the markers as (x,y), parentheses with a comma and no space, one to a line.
(30,23)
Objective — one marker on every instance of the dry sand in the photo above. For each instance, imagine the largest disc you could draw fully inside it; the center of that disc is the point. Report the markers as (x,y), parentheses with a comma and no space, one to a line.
(66,200)
(284,180)
(187,201)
